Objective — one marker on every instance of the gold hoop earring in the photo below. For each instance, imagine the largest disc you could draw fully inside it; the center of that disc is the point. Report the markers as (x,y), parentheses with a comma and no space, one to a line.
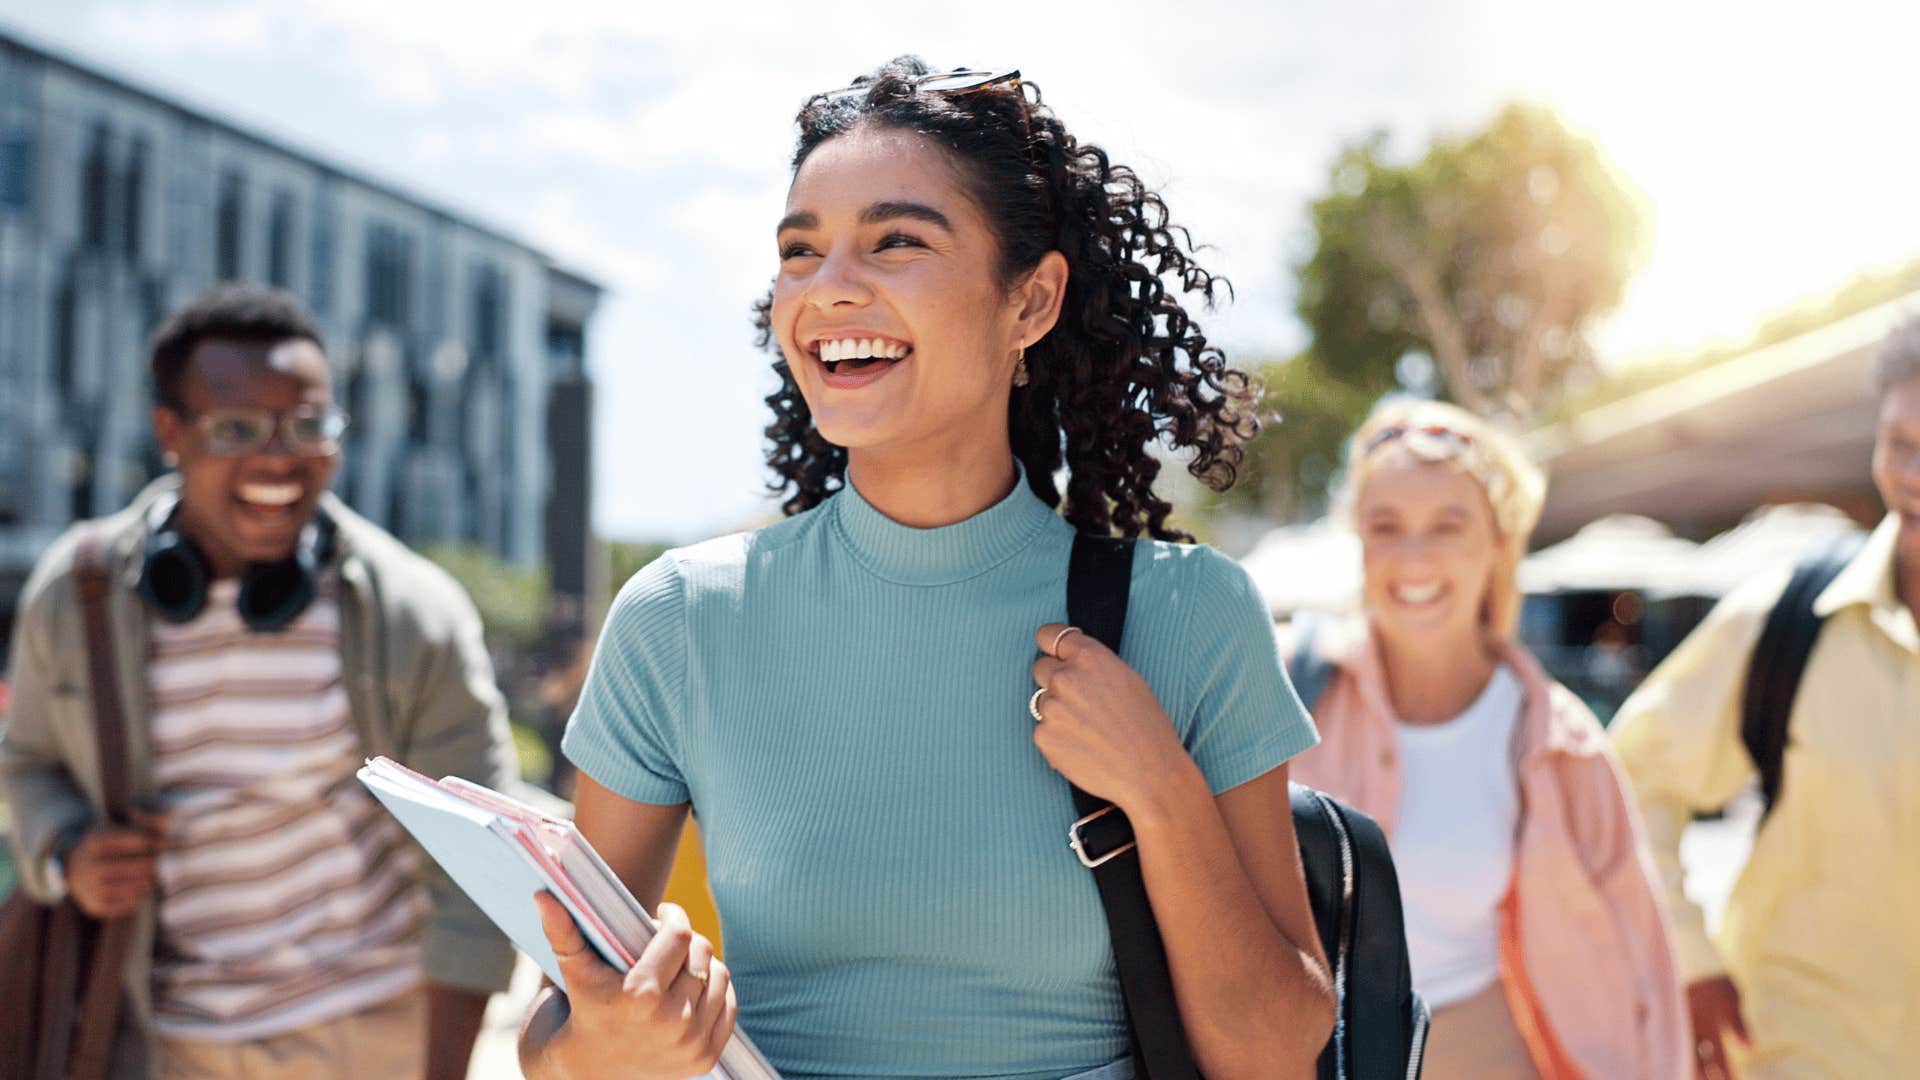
(1020,376)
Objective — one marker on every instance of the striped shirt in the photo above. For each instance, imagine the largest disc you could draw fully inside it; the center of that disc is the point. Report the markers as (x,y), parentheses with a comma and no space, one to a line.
(286,896)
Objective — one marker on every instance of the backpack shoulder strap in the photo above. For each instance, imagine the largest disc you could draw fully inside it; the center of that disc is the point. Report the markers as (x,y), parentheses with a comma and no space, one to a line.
(1379,1021)
(98,1021)
(1099,579)
(1099,584)
(1308,670)
(1779,660)
(93,582)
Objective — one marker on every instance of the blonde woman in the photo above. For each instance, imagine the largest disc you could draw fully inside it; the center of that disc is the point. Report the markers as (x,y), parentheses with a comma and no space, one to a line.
(1532,920)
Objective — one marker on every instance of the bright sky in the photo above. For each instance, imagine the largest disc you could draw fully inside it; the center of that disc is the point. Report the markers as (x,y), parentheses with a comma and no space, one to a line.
(647,145)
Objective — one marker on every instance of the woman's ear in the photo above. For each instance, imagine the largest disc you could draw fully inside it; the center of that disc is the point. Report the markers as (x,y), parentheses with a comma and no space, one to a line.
(1038,298)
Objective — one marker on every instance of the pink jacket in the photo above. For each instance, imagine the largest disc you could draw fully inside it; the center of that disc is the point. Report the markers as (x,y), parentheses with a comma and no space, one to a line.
(1585,957)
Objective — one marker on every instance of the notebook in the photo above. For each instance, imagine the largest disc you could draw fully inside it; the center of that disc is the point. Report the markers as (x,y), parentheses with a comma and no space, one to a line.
(501,852)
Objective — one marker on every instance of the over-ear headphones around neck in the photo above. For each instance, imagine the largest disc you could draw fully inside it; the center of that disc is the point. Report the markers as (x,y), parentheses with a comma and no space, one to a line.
(175,574)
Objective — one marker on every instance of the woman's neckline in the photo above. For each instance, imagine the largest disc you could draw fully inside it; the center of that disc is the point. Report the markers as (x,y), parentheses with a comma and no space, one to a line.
(939,556)
(1499,680)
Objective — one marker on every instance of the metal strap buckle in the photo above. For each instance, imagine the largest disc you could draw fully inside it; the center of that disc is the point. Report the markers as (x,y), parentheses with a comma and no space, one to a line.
(1080,849)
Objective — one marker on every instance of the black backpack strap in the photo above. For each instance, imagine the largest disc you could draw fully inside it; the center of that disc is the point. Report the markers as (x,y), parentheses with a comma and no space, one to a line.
(1379,1030)
(1779,660)
(1307,670)
(1099,578)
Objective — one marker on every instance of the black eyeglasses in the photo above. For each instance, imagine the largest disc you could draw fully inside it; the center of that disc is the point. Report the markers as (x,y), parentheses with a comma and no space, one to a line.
(310,430)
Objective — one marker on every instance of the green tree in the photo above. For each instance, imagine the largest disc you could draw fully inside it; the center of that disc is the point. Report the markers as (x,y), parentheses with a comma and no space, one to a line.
(1307,415)
(626,558)
(1472,273)
(512,601)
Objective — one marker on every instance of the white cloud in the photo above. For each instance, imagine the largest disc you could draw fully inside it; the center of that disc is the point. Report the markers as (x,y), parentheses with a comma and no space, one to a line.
(172,28)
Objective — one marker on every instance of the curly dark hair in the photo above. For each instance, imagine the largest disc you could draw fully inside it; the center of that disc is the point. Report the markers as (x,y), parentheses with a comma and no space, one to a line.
(234,311)
(1125,365)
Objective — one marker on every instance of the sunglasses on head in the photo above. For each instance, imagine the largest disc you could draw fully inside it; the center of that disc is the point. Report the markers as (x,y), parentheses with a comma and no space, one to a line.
(310,430)
(1440,432)
(950,82)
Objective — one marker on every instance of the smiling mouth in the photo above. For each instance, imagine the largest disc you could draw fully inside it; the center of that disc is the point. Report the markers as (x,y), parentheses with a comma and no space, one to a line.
(854,355)
(272,501)
(1417,595)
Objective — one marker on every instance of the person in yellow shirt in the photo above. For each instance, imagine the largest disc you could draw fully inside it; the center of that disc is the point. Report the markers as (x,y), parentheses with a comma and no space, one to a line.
(1816,969)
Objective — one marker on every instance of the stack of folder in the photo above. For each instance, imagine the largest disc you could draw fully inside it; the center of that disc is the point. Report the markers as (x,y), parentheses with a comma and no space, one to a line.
(501,852)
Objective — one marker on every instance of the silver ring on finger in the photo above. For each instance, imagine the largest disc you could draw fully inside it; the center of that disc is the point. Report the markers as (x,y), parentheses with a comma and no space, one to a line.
(1053,650)
(1033,705)
(699,988)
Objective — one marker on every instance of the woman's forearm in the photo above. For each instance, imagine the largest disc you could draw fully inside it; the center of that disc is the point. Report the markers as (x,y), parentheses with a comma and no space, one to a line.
(1255,1003)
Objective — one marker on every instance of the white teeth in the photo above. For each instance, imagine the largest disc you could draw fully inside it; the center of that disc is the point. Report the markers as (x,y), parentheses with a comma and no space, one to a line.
(271,494)
(1421,594)
(833,351)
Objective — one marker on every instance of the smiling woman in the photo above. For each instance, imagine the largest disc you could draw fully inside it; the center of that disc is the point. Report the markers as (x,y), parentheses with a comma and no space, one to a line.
(1125,362)
(1532,923)
(875,706)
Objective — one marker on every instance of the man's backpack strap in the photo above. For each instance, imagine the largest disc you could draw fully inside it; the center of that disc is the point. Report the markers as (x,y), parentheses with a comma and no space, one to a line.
(1099,578)
(1780,659)
(98,1022)
(1308,670)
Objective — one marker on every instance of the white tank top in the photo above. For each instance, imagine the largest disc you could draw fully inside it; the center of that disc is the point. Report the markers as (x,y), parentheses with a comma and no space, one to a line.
(1453,842)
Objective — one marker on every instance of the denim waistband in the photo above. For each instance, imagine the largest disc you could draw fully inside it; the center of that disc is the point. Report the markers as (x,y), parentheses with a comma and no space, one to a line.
(1119,1070)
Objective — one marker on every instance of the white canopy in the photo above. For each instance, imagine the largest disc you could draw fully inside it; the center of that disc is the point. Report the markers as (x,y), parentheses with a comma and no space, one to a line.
(1316,566)
(1617,552)
(1770,537)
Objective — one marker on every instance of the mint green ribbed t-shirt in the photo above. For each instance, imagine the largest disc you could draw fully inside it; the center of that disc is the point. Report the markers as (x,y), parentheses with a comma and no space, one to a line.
(844,701)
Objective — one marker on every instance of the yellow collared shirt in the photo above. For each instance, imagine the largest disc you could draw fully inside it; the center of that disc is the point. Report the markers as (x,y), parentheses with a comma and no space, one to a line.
(1822,929)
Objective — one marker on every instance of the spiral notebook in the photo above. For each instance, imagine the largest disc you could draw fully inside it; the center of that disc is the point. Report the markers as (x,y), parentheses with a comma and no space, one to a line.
(501,852)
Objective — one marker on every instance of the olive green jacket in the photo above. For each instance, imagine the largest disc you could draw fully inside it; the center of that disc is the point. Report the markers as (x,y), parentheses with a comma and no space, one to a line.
(418,679)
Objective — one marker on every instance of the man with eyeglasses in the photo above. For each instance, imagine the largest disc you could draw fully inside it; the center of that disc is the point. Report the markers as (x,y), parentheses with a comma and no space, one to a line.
(272,640)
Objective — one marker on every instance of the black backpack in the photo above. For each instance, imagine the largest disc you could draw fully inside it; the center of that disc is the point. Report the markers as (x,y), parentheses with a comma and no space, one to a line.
(1380,1024)
(1779,660)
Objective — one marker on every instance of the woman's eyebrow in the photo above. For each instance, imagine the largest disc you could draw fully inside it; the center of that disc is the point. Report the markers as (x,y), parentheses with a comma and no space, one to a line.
(799,219)
(893,211)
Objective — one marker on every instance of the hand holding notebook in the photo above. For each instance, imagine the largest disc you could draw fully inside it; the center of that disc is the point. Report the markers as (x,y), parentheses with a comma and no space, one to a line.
(503,853)
(680,1003)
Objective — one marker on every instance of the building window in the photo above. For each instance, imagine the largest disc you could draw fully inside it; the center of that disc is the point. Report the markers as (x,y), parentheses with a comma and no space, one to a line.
(280,240)
(94,183)
(566,349)
(230,226)
(419,412)
(16,170)
(488,332)
(320,249)
(389,267)
(133,195)
(66,361)
(431,320)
